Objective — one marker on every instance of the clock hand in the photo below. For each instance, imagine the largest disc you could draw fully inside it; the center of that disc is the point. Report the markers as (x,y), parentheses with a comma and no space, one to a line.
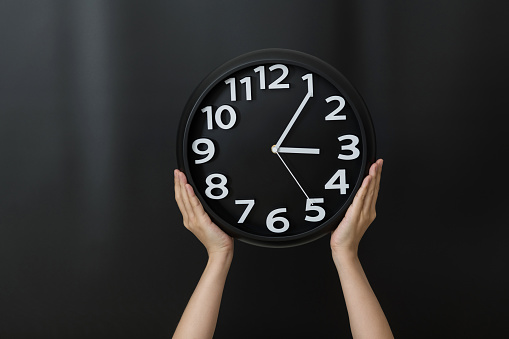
(293,176)
(297,113)
(298,150)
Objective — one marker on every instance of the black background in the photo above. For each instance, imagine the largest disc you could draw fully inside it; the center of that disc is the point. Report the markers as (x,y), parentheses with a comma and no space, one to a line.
(91,240)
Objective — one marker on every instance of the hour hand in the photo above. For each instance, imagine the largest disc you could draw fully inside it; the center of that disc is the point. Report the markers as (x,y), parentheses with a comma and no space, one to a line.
(296,150)
(309,79)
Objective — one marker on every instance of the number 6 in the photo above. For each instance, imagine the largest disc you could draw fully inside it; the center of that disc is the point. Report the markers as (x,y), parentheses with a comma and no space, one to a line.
(271,220)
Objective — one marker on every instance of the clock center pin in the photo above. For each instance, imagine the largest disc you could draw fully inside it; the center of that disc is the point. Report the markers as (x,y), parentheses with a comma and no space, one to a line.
(273,149)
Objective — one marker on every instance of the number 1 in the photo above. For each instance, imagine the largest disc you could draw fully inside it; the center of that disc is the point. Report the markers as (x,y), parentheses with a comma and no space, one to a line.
(261,70)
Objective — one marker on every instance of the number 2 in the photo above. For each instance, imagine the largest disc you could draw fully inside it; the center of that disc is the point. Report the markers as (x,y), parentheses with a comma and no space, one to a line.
(334,114)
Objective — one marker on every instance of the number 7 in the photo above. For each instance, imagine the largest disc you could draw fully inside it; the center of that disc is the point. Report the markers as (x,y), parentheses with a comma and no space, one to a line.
(250,204)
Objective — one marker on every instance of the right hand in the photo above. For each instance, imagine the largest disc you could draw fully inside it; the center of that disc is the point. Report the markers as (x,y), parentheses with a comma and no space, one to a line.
(345,239)
(198,221)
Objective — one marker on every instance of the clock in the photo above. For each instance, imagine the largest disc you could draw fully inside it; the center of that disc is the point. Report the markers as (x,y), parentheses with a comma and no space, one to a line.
(275,144)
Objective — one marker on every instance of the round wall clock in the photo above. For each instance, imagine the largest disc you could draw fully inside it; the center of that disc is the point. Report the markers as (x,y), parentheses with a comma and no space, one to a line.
(276,143)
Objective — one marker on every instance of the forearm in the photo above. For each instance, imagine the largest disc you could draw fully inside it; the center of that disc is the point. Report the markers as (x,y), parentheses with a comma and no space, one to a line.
(367,319)
(200,316)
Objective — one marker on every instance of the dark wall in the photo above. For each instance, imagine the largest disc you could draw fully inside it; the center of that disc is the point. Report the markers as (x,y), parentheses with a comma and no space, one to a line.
(91,241)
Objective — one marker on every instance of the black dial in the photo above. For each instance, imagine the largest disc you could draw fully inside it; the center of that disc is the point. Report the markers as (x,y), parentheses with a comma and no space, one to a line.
(276,144)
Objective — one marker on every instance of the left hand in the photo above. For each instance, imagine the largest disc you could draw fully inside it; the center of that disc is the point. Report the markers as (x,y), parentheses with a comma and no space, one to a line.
(198,221)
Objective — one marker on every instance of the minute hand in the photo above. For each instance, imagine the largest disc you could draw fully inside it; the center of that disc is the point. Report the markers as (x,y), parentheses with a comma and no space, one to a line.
(294,118)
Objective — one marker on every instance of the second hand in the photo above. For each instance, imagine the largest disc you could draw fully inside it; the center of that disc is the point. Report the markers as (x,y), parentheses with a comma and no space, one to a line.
(293,176)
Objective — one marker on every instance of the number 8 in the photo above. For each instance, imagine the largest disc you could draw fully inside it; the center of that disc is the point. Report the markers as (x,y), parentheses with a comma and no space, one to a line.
(221,185)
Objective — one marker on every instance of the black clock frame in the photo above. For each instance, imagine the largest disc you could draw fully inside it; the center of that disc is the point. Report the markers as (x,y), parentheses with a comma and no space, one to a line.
(315,65)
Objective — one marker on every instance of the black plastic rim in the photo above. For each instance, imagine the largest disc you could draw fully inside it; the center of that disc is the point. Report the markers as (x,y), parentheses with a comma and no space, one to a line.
(315,65)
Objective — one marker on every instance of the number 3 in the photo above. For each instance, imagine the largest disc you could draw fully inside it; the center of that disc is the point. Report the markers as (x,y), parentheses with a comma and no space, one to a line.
(350,147)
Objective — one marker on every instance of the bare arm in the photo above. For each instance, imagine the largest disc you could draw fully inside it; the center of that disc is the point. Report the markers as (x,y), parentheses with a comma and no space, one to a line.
(367,319)
(200,316)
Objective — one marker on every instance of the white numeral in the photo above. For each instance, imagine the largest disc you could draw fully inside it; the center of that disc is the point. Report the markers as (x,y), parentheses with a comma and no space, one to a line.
(333,115)
(233,91)
(247,82)
(233,88)
(221,185)
(261,70)
(350,147)
(219,117)
(311,207)
(272,219)
(309,78)
(209,151)
(208,111)
(277,83)
(342,186)
(233,117)
(249,207)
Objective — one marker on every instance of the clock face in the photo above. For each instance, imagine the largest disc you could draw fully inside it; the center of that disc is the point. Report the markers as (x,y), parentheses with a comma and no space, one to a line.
(276,144)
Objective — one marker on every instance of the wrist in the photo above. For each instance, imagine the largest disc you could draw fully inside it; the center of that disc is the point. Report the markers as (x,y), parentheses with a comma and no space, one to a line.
(221,258)
(343,256)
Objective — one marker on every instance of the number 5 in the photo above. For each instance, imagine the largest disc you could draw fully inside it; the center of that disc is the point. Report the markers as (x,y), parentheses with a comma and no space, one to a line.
(311,207)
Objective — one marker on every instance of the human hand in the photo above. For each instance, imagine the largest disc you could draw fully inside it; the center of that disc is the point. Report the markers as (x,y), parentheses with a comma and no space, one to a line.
(345,239)
(198,221)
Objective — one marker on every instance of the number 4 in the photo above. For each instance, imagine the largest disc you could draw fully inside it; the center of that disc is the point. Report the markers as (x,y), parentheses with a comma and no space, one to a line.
(342,186)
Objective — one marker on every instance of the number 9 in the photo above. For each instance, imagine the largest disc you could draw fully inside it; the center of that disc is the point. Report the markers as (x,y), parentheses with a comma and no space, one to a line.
(209,151)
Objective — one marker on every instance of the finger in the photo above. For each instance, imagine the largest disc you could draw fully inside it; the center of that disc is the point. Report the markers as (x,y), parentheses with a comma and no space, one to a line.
(373,170)
(194,201)
(176,185)
(178,194)
(185,196)
(360,196)
(380,163)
